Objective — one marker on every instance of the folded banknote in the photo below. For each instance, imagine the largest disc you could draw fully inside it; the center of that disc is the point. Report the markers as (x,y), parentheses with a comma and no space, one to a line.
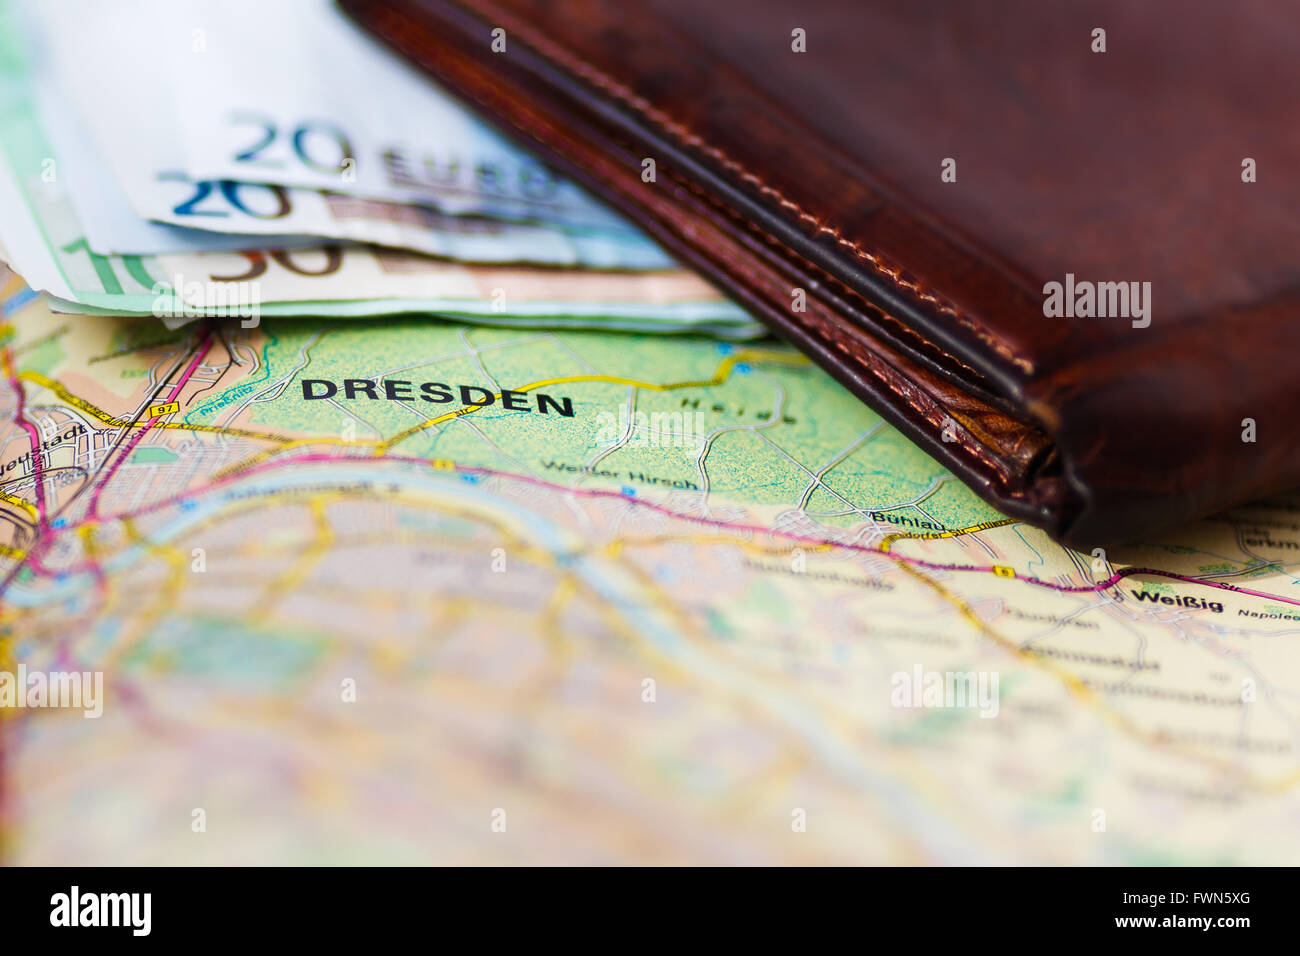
(71,196)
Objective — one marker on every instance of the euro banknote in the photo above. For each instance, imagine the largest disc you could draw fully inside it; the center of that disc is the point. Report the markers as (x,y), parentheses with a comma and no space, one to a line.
(359,281)
(45,241)
(333,110)
(95,66)
(112,226)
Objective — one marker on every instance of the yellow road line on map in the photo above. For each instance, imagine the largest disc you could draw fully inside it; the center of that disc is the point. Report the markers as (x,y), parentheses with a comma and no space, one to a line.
(154,602)
(834,714)
(8,552)
(1073,683)
(719,378)
(888,541)
(1091,698)
(762,789)
(307,560)
(383,446)
(79,403)
(26,506)
(96,412)
(285,444)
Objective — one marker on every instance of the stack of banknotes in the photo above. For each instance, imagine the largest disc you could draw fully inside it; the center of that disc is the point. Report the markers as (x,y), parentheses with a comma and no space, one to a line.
(181,159)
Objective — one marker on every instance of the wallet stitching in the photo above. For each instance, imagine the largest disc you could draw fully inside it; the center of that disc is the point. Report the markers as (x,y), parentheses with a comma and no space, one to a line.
(853,293)
(882,266)
(928,411)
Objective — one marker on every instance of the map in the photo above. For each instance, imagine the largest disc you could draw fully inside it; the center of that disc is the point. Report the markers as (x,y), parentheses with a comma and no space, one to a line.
(407,591)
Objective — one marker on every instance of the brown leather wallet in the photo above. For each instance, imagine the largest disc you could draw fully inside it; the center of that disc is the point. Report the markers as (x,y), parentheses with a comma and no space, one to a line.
(1056,245)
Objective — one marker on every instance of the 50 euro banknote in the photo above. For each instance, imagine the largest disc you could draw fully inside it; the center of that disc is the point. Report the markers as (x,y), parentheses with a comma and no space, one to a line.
(44,242)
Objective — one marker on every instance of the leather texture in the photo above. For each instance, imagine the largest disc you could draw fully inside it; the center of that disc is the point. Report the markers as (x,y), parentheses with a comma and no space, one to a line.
(821,171)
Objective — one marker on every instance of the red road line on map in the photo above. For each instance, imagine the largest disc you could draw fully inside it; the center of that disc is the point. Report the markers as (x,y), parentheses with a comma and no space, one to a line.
(204,344)
(862,548)
(33,435)
(321,458)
